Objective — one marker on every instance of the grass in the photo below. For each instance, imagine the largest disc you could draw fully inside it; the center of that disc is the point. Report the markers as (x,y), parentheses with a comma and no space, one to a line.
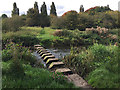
(98,64)
(30,36)
(20,70)
(33,78)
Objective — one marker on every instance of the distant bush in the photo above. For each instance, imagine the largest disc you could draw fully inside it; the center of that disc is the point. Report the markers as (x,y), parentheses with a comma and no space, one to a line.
(12,24)
(57,22)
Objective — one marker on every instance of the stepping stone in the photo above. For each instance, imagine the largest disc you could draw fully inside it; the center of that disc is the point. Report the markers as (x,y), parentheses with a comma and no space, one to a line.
(37,45)
(46,54)
(49,61)
(39,48)
(48,57)
(42,50)
(78,81)
(65,71)
(55,64)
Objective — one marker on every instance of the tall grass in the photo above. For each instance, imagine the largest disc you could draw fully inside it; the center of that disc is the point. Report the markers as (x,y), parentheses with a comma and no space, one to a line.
(33,78)
(19,71)
(95,64)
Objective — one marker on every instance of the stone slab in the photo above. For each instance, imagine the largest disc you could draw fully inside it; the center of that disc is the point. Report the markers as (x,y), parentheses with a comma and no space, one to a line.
(78,81)
(52,60)
(46,54)
(55,64)
(48,57)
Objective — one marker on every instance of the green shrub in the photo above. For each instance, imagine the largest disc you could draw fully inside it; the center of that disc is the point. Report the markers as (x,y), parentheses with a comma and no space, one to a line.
(12,24)
(85,61)
(22,53)
(106,76)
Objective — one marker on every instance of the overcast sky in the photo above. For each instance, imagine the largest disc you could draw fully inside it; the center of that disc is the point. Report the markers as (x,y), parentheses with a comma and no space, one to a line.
(62,6)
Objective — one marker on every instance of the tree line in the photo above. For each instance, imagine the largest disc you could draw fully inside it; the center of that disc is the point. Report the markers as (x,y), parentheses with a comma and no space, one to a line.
(93,17)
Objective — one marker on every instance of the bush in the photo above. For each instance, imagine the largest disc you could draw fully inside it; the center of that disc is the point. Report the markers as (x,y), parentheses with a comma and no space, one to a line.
(106,76)
(22,54)
(57,22)
(90,59)
(12,24)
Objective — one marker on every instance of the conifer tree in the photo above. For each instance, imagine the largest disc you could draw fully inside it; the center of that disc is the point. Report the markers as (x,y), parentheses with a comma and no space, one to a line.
(15,9)
(53,9)
(44,19)
(36,7)
(44,9)
(81,8)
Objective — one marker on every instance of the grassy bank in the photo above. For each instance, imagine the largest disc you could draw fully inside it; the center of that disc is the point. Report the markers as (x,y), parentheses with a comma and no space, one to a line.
(48,37)
(96,62)
(98,65)
(20,70)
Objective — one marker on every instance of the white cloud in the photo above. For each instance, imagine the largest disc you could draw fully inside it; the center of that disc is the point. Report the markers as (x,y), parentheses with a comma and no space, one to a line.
(61,5)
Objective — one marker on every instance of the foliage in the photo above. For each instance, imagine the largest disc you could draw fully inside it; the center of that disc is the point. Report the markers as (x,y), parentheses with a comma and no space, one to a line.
(15,10)
(44,20)
(70,20)
(81,8)
(29,36)
(12,24)
(17,52)
(88,60)
(4,16)
(53,9)
(97,9)
(73,20)
(34,78)
(44,9)
(106,76)
(57,22)
(33,16)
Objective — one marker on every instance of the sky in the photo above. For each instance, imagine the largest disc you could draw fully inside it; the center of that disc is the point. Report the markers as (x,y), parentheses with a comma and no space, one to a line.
(62,6)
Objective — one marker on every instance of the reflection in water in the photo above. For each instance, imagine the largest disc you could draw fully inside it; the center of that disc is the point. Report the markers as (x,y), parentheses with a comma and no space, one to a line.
(58,53)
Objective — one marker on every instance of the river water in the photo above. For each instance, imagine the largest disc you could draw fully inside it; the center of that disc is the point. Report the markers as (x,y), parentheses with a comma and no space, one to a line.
(58,53)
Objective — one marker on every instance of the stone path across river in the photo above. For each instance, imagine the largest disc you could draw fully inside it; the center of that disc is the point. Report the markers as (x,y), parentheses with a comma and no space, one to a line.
(54,64)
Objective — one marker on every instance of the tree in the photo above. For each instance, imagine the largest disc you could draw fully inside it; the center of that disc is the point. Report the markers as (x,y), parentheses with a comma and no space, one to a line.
(12,24)
(15,10)
(33,16)
(81,8)
(4,16)
(36,7)
(44,20)
(70,20)
(53,9)
(44,9)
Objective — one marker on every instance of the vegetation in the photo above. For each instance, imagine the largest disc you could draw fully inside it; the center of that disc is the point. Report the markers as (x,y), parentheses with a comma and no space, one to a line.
(92,35)
(53,9)
(20,71)
(73,20)
(12,24)
(15,10)
(98,63)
